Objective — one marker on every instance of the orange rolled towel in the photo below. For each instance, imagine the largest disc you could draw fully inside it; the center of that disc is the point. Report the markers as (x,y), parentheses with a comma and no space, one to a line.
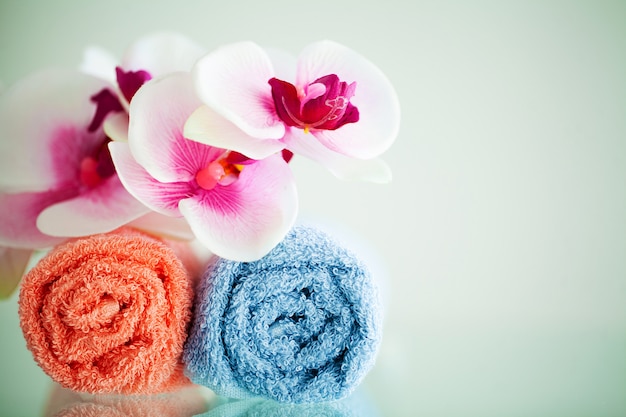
(108,314)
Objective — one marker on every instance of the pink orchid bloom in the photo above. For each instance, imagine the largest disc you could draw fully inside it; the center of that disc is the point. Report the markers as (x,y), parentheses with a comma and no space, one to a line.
(340,111)
(153,55)
(237,207)
(57,178)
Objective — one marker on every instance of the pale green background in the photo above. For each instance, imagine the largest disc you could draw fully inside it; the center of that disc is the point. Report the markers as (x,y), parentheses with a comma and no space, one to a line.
(502,238)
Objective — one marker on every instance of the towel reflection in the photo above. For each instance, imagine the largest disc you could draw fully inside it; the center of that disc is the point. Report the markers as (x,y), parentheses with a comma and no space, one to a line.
(186,402)
(195,401)
(356,405)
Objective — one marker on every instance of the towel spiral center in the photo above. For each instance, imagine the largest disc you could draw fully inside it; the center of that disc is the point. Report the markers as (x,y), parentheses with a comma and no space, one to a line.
(85,314)
(294,327)
(106,308)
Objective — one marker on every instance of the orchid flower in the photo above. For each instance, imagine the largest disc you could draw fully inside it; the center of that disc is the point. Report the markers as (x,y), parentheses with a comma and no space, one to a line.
(237,207)
(153,55)
(340,110)
(57,178)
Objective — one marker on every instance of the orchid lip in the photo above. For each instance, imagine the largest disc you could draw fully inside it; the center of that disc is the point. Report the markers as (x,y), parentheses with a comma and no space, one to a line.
(223,171)
(107,101)
(331,115)
(323,104)
(96,167)
(130,81)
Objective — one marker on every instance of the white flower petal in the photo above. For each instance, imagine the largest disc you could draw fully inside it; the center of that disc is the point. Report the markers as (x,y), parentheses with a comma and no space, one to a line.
(245,220)
(116,126)
(43,128)
(165,226)
(372,170)
(284,64)
(155,133)
(162,53)
(375,98)
(208,127)
(18,218)
(233,80)
(100,63)
(160,197)
(101,209)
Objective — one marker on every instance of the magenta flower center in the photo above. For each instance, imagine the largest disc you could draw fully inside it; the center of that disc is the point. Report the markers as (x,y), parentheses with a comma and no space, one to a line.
(223,171)
(96,167)
(322,104)
(130,81)
(107,101)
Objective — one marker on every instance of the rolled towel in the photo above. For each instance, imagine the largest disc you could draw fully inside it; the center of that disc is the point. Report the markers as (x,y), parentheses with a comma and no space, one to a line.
(300,325)
(108,313)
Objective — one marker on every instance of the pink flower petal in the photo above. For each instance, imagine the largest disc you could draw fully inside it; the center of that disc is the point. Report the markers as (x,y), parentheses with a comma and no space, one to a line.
(162,53)
(43,121)
(158,196)
(375,99)
(18,218)
(372,170)
(155,134)
(233,81)
(101,209)
(245,220)
(206,126)
(13,263)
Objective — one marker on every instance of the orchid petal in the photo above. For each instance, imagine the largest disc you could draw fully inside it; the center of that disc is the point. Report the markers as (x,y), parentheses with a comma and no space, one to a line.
(167,227)
(100,63)
(162,53)
(375,98)
(283,62)
(116,126)
(245,220)
(233,81)
(157,115)
(99,210)
(372,170)
(43,121)
(18,218)
(13,263)
(206,126)
(160,197)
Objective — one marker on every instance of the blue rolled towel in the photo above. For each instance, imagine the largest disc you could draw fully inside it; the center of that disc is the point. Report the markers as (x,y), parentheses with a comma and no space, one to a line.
(301,325)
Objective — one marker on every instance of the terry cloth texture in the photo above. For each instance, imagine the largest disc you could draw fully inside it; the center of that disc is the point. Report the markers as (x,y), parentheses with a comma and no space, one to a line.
(186,402)
(300,325)
(108,314)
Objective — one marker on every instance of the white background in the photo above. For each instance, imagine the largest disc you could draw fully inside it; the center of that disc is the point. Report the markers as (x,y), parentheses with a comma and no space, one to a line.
(502,238)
